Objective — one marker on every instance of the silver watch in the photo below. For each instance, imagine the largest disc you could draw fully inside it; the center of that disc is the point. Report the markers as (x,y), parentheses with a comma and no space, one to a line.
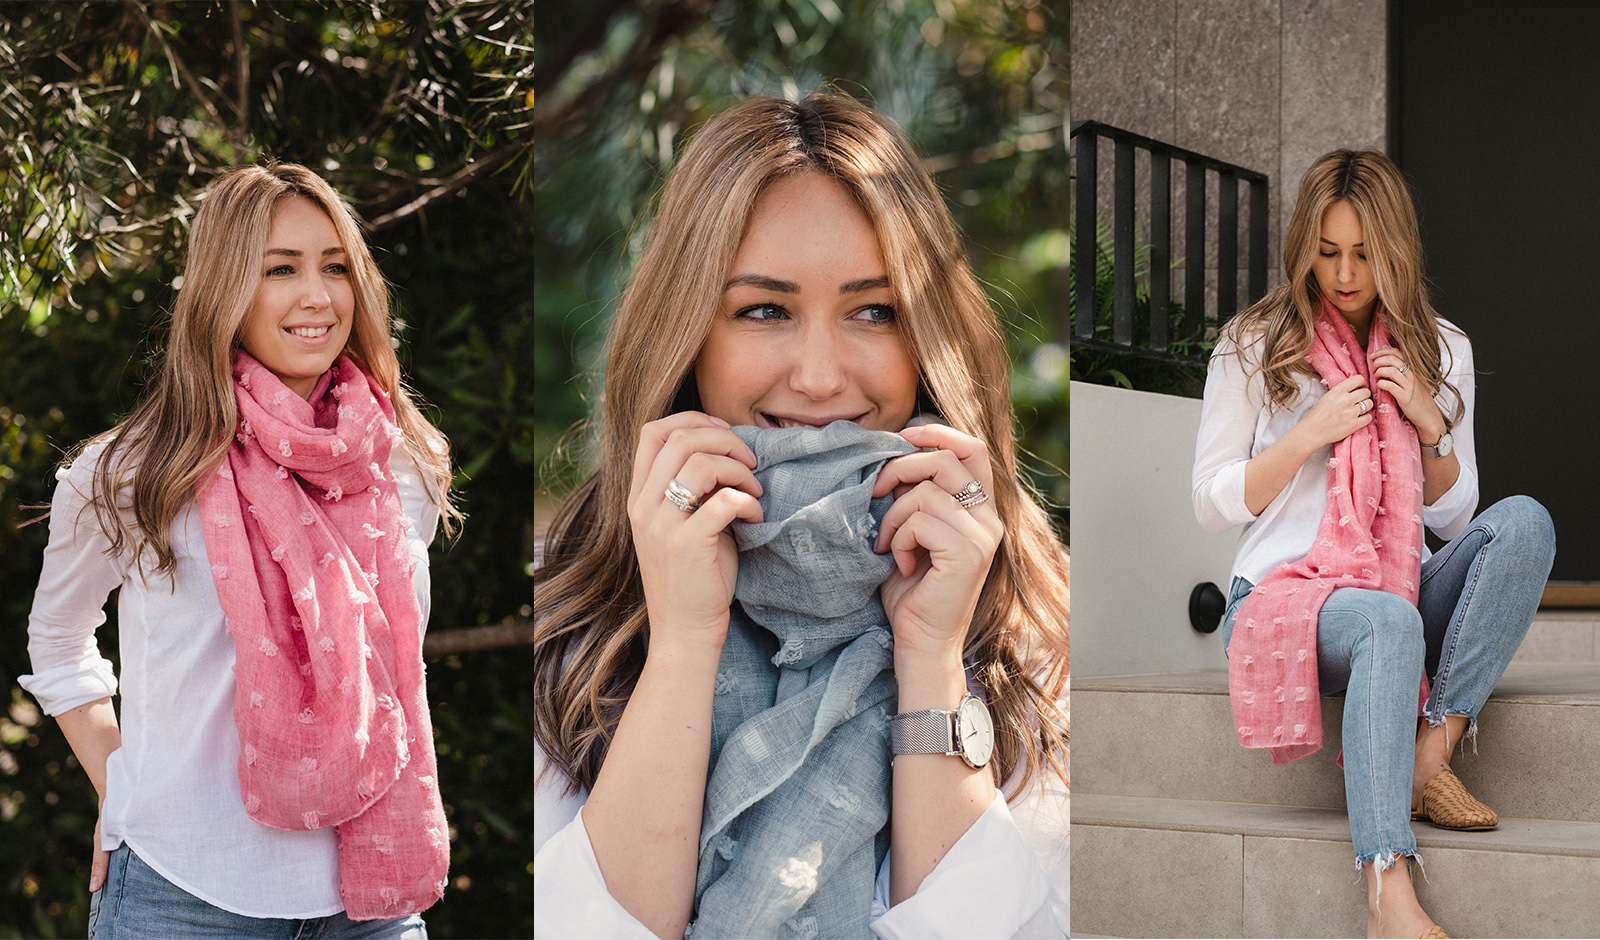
(966,732)
(1442,449)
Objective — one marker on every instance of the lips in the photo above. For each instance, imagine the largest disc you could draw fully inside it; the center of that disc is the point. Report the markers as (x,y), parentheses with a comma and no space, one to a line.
(308,332)
(788,421)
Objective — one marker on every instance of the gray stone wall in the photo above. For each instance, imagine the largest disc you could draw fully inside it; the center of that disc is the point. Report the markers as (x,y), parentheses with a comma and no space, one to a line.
(1269,85)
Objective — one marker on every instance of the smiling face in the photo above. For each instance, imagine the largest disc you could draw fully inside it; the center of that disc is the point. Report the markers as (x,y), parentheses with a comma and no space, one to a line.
(1343,273)
(301,315)
(806,332)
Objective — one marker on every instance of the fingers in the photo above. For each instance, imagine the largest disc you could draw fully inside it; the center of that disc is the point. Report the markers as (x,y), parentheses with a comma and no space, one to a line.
(928,517)
(703,457)
(98,863)
(927,482)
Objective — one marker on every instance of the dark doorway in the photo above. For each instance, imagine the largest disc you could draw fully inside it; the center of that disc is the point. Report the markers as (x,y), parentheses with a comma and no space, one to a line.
(1497,123)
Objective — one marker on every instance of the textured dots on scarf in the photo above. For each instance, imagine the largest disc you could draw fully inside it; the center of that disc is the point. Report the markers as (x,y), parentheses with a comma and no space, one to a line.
(334,493)
(308,765)
(383,842)
(282,472)
(306,716)
(267,647)
(257,700)
(338,447)
(326,644)
(252,803)
(306,518)
(220,572)
(307,593)
(250,754)
(800,872)
(224,522)
(390,896)
(312,819)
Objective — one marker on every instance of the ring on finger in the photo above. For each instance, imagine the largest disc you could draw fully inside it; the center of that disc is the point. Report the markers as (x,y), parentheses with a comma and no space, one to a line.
(1404,368)
(681,496)
(972,495)
(1362,406)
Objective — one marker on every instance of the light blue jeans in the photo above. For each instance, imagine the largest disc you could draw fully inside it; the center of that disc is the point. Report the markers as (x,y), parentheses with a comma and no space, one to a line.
(1477,598)
(137,903)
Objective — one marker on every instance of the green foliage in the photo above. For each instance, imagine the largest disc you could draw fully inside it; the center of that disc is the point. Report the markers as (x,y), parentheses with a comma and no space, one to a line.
(980,87)
(113,117)
(1134,369)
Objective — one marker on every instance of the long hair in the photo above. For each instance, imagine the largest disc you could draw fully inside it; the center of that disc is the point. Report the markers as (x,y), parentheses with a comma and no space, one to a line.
(153,461)
(590,619)
(1373,186)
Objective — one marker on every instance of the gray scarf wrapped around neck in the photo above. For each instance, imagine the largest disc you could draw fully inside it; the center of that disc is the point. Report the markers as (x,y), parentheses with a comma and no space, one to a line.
(797,801)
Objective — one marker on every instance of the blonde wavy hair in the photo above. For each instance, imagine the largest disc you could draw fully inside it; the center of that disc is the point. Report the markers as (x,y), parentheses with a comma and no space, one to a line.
(153,461)
(589,606)
(1373,186)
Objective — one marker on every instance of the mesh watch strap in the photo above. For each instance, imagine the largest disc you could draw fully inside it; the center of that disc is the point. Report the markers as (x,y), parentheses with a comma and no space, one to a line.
(925,732)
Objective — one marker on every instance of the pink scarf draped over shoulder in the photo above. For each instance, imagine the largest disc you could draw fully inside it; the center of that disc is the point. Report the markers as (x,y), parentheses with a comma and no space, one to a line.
(308,549)
(1370,537)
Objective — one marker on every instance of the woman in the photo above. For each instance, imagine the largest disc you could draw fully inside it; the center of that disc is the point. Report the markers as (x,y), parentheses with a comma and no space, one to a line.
(803,273)
(1337,422)
(265,513)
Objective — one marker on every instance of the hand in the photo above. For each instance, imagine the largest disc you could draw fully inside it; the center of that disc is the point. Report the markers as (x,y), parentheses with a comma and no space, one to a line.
(1391,374)
(99,861)
(1339,413)
(942,552)
(688,562)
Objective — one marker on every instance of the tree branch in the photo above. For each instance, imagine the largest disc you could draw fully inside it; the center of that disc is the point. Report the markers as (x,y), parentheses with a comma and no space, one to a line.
(242,61)
(473,639)
(188,79)
(457,181)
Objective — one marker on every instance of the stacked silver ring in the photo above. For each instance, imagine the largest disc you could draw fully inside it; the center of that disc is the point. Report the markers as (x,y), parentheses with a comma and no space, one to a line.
(681,496)
(1362,406)
(972,495)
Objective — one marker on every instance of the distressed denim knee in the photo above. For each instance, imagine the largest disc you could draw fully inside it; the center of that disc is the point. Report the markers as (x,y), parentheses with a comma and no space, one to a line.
(1478,597)
(1370,644)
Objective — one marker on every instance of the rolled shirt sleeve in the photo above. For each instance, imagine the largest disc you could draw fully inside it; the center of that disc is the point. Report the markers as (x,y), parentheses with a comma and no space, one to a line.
(1228,422)
(69,605)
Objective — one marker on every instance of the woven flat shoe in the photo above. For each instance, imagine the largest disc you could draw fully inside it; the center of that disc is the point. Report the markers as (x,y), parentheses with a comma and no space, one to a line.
(1434,932)
(1446,803)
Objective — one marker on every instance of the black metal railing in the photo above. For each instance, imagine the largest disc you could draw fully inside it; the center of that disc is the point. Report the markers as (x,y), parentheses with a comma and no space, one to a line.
(1157,339)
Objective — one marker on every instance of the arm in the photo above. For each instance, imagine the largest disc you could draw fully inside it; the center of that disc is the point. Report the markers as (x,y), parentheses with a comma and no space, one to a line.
(71,680)
(643,816)
(1233,484)
(92,732)
(942,554)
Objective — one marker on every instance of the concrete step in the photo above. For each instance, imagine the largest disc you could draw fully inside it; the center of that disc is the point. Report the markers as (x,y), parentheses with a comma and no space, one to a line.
(1148,867)
(1562,636)
(1170,736)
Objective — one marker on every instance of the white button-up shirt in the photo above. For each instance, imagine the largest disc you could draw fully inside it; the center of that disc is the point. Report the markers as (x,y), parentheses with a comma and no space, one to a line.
(172,788)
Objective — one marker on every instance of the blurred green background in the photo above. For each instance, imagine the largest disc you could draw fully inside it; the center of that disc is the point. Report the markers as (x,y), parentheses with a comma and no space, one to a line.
(113,116)
(980,87)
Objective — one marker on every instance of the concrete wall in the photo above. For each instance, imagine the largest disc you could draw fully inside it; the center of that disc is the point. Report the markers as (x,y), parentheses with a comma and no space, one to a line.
(1137,550)
(1269,85)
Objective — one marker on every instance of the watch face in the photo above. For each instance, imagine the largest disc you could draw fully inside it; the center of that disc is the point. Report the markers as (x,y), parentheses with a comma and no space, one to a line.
(977,732)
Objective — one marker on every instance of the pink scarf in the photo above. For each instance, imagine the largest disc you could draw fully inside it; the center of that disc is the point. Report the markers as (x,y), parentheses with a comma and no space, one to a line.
(1370,537)
(307,543)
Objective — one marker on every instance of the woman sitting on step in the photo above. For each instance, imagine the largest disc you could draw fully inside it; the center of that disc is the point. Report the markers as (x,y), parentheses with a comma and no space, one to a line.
(1337,423)
(805,399)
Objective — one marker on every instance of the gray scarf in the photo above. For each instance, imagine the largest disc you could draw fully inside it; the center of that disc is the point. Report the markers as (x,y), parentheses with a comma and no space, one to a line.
(797,801)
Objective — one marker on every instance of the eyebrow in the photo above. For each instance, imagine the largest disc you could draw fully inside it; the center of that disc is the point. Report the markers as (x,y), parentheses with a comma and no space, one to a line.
(296,253)
(1335,244)
(790,287)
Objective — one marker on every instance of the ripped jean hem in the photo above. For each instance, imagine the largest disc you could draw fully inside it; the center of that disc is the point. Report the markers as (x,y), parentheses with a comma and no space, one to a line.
(1435,719)
(1382,862)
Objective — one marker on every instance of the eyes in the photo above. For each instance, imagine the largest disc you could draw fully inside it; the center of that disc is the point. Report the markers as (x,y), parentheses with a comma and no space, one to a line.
(871,313)
(1334,254)
(337,269)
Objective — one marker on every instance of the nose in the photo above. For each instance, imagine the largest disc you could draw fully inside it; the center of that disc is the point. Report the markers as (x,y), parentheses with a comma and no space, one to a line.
(315,295)
(818,369)
(1347,269)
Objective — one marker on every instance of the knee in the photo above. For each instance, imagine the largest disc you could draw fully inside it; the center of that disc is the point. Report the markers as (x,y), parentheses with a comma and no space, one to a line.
(1386,624)
(1523,521)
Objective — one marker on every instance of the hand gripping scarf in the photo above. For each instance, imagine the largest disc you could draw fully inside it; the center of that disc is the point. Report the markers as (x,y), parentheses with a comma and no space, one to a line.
(1369,537)
(307,543)
(797,801)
